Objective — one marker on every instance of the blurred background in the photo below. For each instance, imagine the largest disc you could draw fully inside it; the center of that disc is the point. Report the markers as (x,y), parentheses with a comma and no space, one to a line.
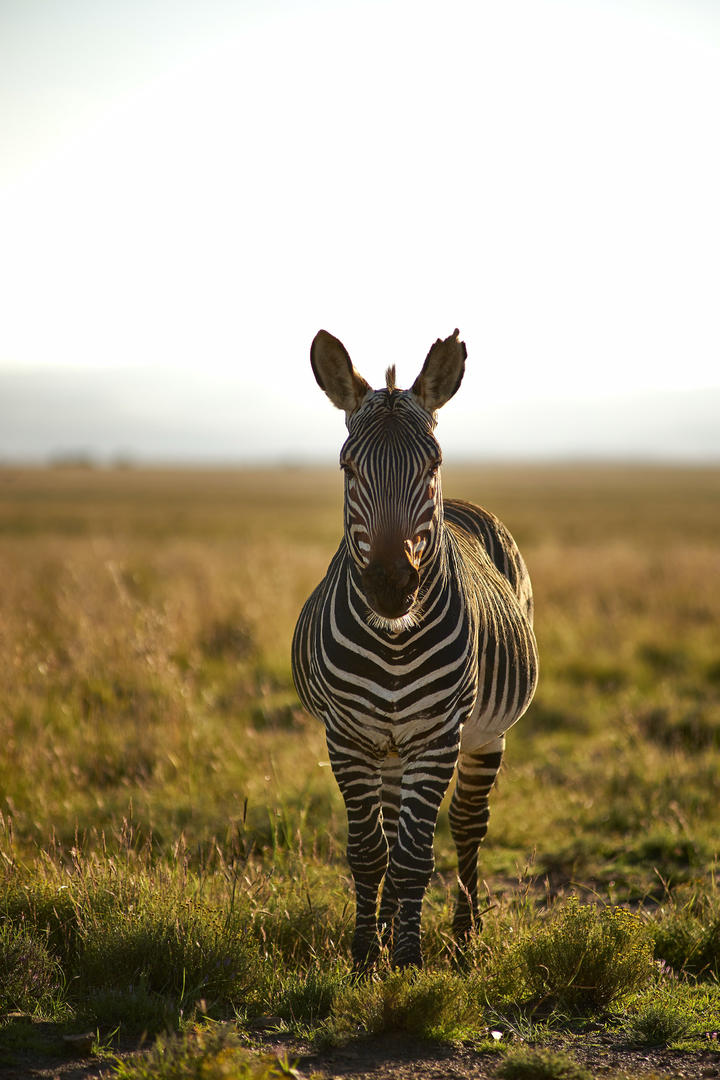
(189,191)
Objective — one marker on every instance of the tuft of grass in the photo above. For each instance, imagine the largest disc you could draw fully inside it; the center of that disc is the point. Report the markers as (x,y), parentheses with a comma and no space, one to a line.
(227,638)
(31,980)
(693,729)
(171,943)
(308,999)
(213,1053)
(687,931)
(303,911)
(526,1063)
(673,1012)
(433,1005)
(657,1023)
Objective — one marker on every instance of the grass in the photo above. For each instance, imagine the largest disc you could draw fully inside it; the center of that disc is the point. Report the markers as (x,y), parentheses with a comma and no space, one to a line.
(172,840)
(674,1012)
(688,936)
(30,977)
(203,1054)
(531,1064)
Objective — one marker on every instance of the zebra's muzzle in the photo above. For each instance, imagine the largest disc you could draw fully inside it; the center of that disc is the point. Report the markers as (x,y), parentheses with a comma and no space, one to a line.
(390,587)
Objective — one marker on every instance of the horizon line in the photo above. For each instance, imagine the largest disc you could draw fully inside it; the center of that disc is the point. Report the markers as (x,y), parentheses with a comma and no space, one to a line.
(119,462)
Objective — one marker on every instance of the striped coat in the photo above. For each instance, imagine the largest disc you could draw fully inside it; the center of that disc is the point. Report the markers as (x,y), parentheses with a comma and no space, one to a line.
(417,653)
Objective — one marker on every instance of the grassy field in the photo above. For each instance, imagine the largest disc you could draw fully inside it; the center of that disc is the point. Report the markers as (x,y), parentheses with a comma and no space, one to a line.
(171,838)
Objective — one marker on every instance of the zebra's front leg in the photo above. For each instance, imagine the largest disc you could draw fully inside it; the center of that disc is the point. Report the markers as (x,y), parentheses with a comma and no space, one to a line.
(367,851)
(469,815)
(392,773)
(425,780)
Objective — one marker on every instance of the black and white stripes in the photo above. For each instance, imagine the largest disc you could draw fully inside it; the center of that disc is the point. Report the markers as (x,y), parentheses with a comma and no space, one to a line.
(416,650)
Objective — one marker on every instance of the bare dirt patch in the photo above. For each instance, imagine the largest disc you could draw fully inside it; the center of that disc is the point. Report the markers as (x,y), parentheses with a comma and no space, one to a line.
(400,1058)
(395,1058)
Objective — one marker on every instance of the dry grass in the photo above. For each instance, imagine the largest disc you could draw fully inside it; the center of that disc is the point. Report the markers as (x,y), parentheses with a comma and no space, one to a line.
(144,639)
(150,728)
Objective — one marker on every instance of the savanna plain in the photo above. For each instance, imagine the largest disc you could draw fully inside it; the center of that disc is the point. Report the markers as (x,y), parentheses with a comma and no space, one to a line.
(174,897)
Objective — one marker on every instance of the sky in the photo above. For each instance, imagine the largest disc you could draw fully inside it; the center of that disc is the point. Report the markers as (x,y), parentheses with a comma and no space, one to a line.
(190,190)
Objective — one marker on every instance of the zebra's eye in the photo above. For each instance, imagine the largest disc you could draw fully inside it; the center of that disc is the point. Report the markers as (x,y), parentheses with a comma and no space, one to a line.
(348,468)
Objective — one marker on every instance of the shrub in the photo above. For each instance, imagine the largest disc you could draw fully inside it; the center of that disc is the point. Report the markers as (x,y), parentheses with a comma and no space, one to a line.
(585,958)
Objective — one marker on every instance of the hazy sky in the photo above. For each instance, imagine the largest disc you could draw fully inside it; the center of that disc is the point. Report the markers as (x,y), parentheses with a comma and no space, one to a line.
(189,190)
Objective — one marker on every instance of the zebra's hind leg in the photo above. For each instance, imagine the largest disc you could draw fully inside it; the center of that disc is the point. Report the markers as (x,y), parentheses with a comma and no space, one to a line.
(367,851)
(392,770)
(469,814)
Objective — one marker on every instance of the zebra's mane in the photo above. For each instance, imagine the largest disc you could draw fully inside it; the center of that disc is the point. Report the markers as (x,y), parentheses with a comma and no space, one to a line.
(390,378)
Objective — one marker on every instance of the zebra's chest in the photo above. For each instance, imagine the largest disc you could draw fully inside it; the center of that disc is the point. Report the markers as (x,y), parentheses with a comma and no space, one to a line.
(394,689)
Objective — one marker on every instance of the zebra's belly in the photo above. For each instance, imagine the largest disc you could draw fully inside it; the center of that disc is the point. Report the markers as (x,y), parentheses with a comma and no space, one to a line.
(498,707)
(482,727)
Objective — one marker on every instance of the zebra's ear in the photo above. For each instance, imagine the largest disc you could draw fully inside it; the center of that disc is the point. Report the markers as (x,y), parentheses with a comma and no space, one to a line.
(442,373)
(335,374)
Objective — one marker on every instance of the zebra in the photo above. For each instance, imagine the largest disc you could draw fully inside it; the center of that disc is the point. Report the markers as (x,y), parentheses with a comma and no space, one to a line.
(416,651)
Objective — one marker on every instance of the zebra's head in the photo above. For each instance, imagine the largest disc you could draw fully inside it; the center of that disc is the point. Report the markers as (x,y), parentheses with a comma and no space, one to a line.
(391,461)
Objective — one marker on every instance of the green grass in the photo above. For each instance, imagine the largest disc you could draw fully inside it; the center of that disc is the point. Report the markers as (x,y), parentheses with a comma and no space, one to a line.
(30,977)
(687,936)
(428,1005)
(171,837)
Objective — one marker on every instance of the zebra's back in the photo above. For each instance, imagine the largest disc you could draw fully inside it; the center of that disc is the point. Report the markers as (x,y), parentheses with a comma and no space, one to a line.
(499,544)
